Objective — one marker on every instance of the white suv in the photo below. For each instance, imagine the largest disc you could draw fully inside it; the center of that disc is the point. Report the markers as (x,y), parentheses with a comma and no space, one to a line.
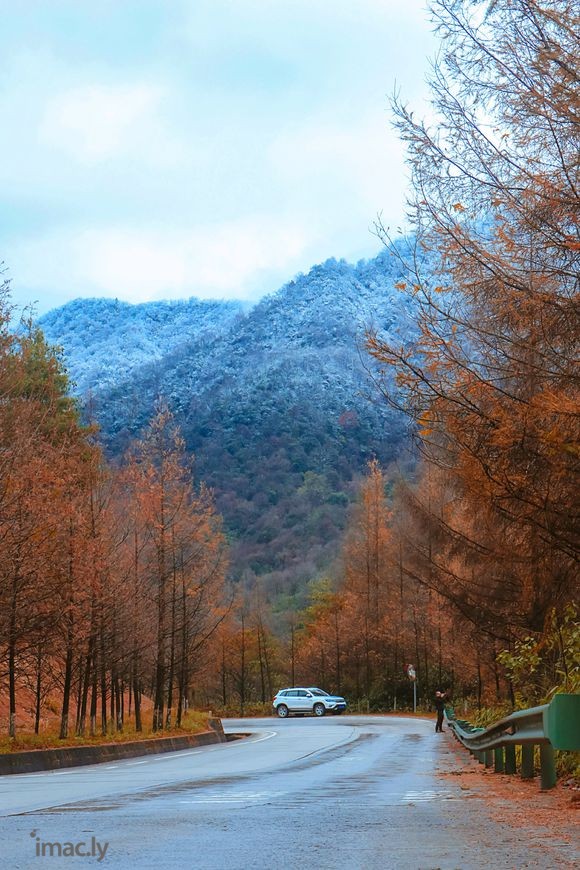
(307,701)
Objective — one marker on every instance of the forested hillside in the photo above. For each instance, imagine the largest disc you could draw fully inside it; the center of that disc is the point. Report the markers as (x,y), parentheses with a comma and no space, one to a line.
(276,404)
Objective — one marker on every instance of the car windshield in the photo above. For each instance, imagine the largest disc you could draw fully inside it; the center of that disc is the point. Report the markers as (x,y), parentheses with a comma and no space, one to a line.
(319,692)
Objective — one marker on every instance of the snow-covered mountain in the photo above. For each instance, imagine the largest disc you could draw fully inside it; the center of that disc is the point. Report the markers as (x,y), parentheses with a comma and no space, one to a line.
(105,340)
(276,402)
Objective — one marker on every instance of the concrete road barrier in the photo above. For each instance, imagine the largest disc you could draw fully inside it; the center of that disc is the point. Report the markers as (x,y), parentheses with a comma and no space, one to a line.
(75,756)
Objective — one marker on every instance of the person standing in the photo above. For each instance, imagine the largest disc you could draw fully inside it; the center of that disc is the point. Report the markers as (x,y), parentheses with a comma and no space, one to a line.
(440,708)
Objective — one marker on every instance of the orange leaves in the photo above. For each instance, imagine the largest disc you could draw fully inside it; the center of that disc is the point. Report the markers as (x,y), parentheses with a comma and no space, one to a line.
(572,243)
(425,422)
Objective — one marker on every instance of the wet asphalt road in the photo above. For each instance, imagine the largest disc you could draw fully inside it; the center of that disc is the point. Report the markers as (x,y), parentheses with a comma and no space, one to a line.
(337,792)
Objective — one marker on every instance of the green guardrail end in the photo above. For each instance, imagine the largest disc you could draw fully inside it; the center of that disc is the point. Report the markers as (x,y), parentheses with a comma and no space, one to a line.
(562,722)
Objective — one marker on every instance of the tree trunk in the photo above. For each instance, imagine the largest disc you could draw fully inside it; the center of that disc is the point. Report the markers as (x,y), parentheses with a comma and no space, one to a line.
(159,701)
(69,642)
(12,658)
(89,664)
(243,668)
(38,694)
(103,668)
(67,684)
(261,665)
(172,650)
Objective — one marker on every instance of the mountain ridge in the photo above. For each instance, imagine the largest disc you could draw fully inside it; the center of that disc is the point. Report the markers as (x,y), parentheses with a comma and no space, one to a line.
(275,403)
(154,325)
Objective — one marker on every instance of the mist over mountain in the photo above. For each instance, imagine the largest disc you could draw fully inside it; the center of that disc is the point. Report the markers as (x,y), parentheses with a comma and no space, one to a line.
(276,403)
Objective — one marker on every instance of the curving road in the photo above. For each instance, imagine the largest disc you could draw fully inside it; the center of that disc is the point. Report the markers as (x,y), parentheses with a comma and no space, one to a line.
(339,792)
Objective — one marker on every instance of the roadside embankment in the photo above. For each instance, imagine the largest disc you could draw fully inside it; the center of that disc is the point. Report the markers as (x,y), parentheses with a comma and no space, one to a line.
(75,756)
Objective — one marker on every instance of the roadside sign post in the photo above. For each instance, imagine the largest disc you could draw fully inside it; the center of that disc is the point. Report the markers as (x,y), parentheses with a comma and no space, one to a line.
(412,674)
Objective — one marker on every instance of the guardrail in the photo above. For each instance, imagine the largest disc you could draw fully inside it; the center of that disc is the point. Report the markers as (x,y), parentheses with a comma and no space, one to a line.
(552,726)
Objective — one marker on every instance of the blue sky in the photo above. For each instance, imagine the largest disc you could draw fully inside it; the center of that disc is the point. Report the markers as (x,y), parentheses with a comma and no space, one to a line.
(154,149)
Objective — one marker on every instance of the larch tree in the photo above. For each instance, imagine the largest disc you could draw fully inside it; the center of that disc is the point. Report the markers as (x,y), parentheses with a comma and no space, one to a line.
(185,559)
(368,572)
(42,445)
(492,380)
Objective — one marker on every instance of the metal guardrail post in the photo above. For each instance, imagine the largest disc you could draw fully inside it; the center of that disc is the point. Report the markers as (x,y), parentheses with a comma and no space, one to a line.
(510,759)
(547,766)
(551,726)
(527,761)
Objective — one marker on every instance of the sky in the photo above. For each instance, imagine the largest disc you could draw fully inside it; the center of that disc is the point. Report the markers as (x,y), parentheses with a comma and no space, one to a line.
(161,149)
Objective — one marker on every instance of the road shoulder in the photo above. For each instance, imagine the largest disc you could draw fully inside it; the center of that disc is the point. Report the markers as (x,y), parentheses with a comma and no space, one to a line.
(546,820)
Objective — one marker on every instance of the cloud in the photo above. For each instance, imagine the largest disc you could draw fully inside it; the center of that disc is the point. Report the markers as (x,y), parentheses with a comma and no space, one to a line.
(211,147)
(224,261)
(360,168)
(97,122)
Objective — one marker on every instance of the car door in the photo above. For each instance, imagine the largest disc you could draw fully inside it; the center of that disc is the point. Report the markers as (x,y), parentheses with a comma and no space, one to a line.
(292,700)
(304,700)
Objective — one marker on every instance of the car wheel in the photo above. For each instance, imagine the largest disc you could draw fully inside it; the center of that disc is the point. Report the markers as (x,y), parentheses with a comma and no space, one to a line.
(282,711)
(319,709)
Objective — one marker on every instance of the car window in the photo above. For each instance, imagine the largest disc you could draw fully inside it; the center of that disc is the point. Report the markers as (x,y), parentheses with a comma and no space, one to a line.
(318,693)
(302,693)
(292,693)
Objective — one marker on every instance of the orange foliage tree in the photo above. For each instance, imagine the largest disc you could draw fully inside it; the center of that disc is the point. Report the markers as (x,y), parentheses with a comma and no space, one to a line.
(492,381)
(182,560)
(111,580)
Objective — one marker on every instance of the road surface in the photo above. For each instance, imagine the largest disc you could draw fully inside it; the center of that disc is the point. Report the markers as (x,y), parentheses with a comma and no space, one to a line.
(337,792)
